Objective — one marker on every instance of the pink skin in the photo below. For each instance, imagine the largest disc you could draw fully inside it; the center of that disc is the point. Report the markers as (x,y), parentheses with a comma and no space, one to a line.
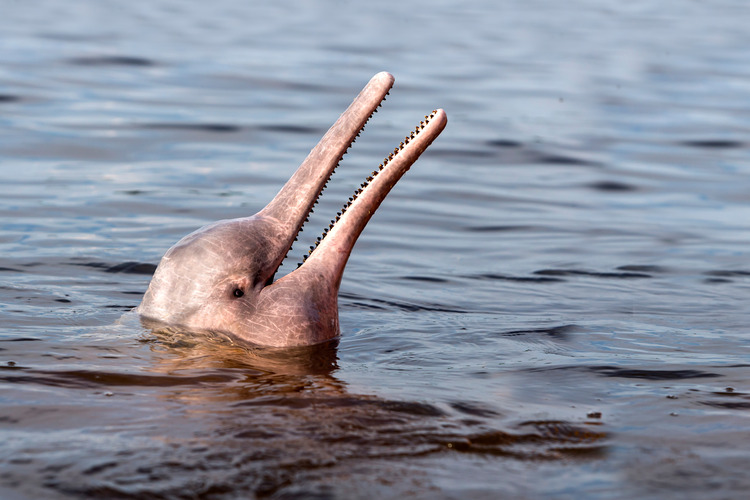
(220,277)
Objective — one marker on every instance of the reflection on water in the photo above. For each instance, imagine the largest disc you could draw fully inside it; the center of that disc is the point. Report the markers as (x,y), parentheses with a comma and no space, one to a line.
(553,302)
(191,350)
(252,420)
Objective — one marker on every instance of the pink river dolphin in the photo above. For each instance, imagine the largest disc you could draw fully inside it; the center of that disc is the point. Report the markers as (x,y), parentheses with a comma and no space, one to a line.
(222,277)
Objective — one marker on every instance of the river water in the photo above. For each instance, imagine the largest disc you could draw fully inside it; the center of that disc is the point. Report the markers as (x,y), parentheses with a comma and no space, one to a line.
(553,303)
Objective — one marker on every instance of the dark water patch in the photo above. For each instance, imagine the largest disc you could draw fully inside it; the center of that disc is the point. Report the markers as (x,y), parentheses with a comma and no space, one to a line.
(384,304)
(578,272)
(133,268)
(297,403)
(290,129)
(714,144)
(563,431)
(558,332)
(520,279)
(82,379)
(112,61)
(9,270)
(612,186)
(7,98)
(98,468)
(63,301)
(125,267)
(473,409)
(21,339)
(612,371)
(427,279)
(561,160)
(638,268)
(134,192)
(731,392)
(512,152)
(724,276)
(503,143)
(717,281)
(502,228)
(411,307)
(733,395)
(729,405)
(11,365)
(411,408)
(581,441)
(728,273)
(220,128)
(256,434)
(365,305)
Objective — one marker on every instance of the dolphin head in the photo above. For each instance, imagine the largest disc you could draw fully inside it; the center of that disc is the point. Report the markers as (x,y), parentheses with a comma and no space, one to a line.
(222,276)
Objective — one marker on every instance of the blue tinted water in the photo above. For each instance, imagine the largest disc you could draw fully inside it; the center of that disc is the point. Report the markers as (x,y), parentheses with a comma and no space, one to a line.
(552,302)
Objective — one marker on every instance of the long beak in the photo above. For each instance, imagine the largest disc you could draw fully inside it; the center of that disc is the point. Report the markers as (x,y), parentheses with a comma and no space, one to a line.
(292,205)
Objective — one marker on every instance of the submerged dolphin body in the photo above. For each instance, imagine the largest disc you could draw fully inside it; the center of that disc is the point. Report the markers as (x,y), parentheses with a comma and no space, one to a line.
(221,277)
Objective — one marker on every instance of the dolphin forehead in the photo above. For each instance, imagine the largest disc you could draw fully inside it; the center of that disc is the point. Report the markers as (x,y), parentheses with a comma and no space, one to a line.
(203,266)
(227,246)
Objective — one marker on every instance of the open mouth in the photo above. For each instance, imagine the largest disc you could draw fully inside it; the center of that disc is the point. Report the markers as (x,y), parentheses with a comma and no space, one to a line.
(372,178)
(333,246)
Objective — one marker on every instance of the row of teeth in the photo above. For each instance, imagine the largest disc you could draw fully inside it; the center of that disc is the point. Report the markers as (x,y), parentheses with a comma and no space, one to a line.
(367,182)
(325,185)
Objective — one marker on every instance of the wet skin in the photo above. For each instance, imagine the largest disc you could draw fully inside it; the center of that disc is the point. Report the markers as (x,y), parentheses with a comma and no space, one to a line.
(221,277)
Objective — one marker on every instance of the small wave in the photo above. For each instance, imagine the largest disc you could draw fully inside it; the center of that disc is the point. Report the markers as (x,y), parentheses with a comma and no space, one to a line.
(129,267)
(578,272)
(714,144)
(559,332)
(612,371)
(9,98)
(612,186)
(198,127)
(112,61)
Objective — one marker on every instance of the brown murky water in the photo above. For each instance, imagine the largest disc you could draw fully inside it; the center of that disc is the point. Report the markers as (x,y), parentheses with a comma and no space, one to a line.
(552,303)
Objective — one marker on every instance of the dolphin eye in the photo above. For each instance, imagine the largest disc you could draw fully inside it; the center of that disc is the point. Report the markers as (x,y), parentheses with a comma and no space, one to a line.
(238,292)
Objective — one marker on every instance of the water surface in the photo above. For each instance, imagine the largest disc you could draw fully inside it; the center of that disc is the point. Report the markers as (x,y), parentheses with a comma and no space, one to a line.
(552,302)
